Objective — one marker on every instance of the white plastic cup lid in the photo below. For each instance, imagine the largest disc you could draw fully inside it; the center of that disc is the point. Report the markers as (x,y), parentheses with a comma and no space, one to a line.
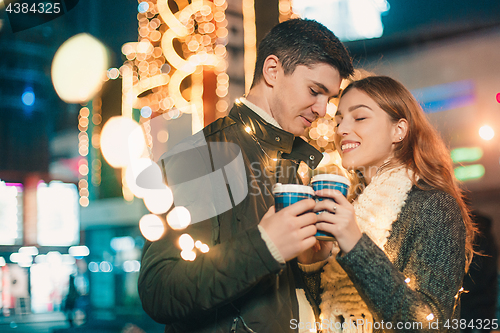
(293,188)
(331,178)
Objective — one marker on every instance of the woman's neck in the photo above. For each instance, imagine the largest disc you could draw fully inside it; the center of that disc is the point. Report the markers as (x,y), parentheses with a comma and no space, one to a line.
(373,171)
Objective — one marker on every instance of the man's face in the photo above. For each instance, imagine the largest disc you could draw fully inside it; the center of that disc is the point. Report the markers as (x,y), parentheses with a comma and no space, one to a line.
(301,97)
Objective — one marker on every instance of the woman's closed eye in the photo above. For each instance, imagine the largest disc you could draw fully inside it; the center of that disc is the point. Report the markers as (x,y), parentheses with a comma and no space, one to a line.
(314,92)
(359,119)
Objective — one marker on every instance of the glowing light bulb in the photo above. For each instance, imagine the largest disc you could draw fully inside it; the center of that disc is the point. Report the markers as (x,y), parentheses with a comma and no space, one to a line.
(179,218)
(486,133)
(28,98)
(151,227)
(122,140)
(186,242)
(188,255)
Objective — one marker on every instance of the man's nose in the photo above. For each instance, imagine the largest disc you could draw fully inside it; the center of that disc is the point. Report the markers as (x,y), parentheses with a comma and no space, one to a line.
(320,107)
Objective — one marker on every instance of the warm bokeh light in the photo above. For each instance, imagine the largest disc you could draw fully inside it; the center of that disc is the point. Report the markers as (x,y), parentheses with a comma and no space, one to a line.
(186,242)
(486,133)
(162,136)
(122,140)
(147,169)
(179,218)
(204,248)
(113,73)
(188,255)
(159,201)
(152,227)
(79,67)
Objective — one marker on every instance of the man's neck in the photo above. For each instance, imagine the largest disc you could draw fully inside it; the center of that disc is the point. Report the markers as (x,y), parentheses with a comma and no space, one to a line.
(256,96)
(260,112)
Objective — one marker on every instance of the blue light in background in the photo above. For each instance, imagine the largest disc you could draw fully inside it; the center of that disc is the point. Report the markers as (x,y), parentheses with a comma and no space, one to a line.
(143,7)
(146,112)
(28,97)
(447,96)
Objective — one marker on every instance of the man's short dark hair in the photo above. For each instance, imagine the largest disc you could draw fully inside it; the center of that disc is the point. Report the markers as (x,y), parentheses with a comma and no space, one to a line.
(302,42)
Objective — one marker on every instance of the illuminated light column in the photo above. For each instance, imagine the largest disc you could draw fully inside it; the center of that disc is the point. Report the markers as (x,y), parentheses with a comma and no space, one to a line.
(96,140)
(83,150)
(286,10)
(165,70)
(250,38)
(30,216)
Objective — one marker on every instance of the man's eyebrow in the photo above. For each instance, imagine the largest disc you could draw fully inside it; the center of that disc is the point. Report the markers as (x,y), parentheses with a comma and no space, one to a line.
(354,107)
(326,90)
(322,86)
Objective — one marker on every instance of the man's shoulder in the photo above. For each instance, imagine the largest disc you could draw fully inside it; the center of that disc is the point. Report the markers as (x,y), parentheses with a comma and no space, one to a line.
(219,125)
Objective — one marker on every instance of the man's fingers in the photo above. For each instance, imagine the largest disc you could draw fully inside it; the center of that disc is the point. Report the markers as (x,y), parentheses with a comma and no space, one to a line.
(308,243)
(270,211)
(306,219)
(300,207)
(307,232)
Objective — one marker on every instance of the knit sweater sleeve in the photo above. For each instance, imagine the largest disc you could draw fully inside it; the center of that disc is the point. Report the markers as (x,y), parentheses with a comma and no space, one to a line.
(431,262)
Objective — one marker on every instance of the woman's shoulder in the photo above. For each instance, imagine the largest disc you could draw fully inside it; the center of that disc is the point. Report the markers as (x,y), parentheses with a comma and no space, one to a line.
(431,205)
(427,197)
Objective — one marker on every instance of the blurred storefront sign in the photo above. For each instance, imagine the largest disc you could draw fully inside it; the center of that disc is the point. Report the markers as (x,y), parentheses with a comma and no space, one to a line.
(58,214)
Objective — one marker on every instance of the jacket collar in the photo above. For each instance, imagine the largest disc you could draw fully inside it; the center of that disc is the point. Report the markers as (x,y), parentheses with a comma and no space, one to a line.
(292,147)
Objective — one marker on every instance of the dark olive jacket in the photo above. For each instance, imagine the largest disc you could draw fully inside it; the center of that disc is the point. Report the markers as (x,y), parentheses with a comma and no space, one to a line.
(237,286)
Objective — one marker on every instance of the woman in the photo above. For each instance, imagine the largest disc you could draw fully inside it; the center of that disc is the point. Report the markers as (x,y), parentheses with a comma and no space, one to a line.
(405,242)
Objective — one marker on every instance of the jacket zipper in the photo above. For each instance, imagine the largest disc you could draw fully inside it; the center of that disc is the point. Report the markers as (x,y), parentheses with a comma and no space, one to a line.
(234,326)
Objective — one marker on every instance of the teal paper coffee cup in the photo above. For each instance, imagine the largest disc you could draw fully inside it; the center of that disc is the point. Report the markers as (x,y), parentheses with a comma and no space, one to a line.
(288,194)
(333,182)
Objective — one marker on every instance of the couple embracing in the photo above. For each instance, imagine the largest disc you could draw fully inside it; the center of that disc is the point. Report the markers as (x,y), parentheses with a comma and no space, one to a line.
(403,236)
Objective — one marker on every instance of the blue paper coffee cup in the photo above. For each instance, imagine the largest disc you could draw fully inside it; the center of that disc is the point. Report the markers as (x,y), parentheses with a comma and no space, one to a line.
(333,182)
(288,194)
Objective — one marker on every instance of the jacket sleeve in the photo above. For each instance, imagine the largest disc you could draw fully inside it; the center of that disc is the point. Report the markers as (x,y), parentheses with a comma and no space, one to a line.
(435,263)
(172,289)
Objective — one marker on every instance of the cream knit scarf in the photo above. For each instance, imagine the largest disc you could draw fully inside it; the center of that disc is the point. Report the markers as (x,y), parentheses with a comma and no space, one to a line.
(376,209)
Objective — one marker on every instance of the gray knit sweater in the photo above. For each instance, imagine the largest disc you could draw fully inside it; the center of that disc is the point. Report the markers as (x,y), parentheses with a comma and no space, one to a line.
(427,245)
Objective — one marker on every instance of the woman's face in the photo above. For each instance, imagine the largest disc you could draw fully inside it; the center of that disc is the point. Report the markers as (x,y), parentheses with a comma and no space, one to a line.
(364,134)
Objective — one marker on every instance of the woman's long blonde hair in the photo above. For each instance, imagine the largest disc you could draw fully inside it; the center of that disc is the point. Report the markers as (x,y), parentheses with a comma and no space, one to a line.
(422,150)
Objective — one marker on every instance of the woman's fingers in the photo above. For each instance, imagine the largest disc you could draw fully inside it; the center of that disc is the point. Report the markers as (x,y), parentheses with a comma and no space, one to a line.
(337,196)
(328,205)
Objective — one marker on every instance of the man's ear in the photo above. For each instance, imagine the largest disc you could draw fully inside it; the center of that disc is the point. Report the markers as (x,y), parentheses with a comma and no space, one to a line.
(400,130)
(270,69)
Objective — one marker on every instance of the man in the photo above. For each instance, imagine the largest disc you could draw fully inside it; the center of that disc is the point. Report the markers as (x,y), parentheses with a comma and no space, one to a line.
(247,281)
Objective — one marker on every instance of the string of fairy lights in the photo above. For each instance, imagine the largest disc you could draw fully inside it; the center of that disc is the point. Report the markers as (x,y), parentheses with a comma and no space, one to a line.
(163,76)
(83,150)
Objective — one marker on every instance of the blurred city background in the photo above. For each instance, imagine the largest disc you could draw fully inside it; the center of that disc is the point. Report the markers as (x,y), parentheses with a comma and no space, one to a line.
(75,89)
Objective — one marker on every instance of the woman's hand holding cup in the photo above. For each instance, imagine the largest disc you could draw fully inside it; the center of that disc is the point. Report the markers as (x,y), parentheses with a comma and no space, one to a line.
(337,217)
